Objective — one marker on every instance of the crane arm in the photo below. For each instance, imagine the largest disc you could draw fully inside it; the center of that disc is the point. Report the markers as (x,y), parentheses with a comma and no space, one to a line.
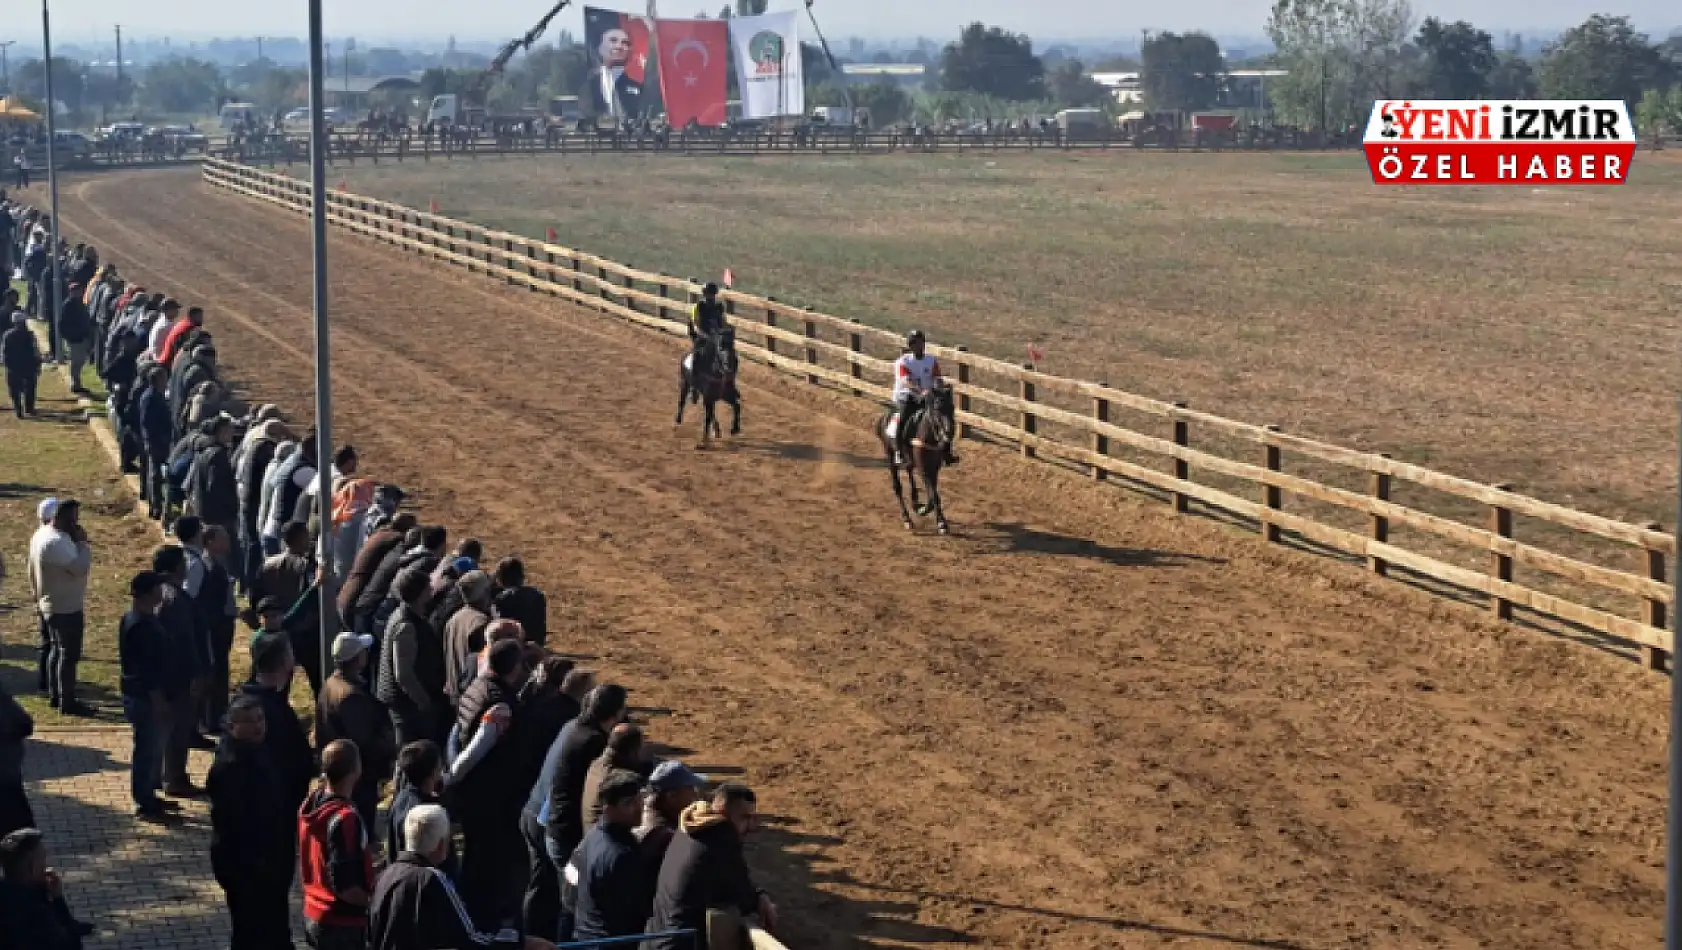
(482,82)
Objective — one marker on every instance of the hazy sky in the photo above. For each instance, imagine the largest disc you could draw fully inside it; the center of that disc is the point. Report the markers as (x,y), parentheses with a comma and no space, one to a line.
(501,19)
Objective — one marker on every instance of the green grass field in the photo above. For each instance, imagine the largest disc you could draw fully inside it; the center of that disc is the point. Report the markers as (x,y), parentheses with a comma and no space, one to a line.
(1524,335)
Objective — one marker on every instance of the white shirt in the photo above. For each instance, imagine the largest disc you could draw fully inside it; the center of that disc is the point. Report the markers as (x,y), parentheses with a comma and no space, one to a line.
(913,375)
(610,90)
(58,571)
(160,332)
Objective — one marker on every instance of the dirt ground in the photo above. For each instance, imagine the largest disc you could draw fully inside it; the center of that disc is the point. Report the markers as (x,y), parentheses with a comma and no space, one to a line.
(1521,335)
(1079,722)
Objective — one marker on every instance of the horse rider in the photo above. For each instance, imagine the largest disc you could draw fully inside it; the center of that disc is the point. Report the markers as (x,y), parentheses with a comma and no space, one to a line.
(916,374)
(706,321)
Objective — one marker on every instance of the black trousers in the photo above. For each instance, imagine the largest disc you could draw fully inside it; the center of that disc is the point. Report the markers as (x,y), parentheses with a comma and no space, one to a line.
(492,874)
(64,655)
(541,913)
(20,387)
(260,914)
(15,812)
(328,937)
(214,705)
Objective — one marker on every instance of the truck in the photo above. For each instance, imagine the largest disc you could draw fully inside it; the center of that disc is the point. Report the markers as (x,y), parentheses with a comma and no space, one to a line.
(840,116)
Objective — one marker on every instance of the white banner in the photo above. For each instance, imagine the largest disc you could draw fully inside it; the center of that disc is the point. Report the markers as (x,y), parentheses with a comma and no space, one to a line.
(768,64)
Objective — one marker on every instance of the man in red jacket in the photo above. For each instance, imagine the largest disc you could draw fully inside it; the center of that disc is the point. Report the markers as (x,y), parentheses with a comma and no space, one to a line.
(335,865)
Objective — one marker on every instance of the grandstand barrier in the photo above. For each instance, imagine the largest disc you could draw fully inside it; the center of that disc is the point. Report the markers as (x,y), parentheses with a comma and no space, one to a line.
(1458,534)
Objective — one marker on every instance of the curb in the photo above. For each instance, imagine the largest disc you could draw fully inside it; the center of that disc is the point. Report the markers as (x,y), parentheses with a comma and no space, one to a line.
(95,415)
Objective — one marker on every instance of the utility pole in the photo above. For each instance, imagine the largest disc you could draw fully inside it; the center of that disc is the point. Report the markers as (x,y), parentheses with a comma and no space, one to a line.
(5,70)
(323,358)
(259,47)
(52,174)
(119,55)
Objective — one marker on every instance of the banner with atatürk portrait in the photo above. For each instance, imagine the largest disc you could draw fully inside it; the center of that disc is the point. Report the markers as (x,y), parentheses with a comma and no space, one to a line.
(618,47)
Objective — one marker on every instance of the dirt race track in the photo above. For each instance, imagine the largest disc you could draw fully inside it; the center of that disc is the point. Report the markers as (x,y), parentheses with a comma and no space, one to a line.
(1078,722)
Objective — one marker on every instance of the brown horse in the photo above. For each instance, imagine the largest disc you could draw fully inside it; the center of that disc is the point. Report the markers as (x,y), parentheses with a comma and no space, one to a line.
(708,376)
(932,432)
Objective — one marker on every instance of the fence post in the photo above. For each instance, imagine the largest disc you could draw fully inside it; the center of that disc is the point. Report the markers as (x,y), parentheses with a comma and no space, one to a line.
(811,351)
(1272,497)
(855,343)
(1501,523)
(1025,391)
(601,287)
(1100,442)
(963,390)
(661,310)
(1182,469)
(1380,483)
(771,321)
(729,311)
(1653,610)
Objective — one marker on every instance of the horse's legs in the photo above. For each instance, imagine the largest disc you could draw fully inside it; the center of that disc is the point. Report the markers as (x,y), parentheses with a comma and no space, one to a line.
(682,396)
(931,480)
(899,492)
(736,416)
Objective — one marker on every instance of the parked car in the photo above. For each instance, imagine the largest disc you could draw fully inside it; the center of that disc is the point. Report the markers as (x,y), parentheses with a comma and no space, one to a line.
(186,137)
(72,146)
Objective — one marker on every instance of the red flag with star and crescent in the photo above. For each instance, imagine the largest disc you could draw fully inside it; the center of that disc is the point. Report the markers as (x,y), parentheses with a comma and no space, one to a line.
(694,57)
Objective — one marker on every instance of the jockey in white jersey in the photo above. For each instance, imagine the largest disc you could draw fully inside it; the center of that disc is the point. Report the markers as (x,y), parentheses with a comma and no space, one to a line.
(915,374)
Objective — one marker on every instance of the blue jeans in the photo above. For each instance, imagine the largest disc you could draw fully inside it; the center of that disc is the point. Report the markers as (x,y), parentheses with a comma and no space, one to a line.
(146,772)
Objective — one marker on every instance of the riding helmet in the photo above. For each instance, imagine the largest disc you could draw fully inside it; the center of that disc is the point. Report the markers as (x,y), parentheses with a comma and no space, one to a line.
(915,336)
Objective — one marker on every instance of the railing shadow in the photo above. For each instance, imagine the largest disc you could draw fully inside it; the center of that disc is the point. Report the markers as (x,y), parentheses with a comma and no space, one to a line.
(1014,538)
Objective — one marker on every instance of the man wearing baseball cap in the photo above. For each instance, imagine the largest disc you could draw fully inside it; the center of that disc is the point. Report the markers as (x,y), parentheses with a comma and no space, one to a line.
(346,710)
(672,788)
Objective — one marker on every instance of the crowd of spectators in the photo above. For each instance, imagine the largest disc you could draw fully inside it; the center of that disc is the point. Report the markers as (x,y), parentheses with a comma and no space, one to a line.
(520,804)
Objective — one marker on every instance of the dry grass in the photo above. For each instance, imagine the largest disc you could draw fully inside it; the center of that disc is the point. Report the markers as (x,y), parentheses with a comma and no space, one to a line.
(1519,335)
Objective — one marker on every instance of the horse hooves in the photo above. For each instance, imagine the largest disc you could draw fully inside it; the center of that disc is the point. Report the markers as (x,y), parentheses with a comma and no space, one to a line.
(908,525)
(942,528)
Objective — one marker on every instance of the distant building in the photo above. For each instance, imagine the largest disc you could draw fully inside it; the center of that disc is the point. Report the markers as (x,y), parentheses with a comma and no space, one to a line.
(905,74)
(1245,88)
(358,93)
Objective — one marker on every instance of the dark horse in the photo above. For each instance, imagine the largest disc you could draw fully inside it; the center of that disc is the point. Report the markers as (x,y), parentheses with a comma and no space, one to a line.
(933,428)
(708,376)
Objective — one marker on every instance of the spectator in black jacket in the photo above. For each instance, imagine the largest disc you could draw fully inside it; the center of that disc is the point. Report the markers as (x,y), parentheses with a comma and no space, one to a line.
(614,892)
(421,766)
(21,356)
(219,613)
(415,906)
(554,800)
(705,868)
(157,436)
(141,647)
(75,328)
(32,898)
(213,492)
(250,832)
(289,750)
(187,666)
(515,601)
(122,381)
(16,726)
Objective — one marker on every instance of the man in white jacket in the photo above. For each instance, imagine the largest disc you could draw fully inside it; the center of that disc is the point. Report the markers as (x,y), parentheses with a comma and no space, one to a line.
(60,560)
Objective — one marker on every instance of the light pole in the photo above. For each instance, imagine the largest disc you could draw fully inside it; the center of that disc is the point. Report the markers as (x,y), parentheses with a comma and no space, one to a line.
(5,69)
(323,362)
(52,175)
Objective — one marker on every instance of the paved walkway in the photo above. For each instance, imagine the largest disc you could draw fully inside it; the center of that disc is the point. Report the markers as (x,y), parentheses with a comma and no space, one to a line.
(142,885)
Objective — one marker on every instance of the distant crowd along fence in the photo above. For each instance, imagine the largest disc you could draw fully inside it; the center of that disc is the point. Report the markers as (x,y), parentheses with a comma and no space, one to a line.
(1465,544)
(352,146)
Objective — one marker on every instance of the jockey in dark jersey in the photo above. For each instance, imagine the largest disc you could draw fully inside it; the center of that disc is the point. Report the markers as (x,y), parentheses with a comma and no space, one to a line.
(706,319)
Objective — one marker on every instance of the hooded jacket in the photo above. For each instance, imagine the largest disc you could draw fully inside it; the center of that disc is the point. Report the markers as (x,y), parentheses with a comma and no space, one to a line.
(704,868)
(333,858)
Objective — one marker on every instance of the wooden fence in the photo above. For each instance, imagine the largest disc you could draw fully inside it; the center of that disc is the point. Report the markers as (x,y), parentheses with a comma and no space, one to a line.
(350,148)
(1285,486)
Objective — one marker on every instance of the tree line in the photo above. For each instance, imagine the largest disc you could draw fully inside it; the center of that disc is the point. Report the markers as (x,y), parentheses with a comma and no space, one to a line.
(1336,57)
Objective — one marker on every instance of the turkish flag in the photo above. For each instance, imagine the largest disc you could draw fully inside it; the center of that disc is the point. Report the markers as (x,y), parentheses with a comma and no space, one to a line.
(694,56)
